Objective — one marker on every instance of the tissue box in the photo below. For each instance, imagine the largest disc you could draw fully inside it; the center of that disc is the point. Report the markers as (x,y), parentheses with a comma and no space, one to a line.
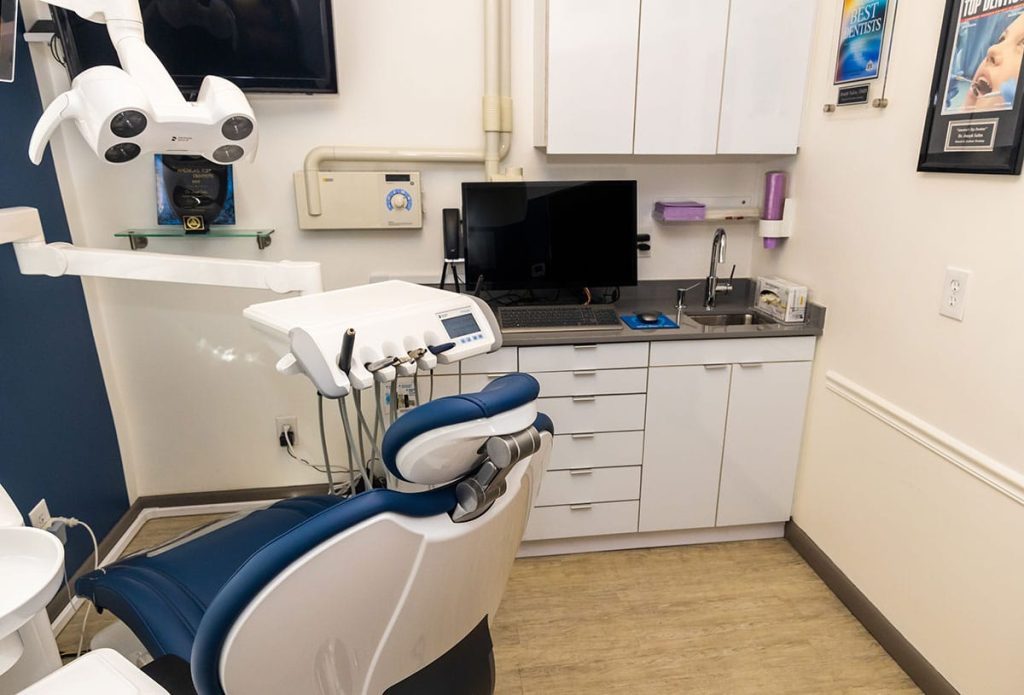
(781,299)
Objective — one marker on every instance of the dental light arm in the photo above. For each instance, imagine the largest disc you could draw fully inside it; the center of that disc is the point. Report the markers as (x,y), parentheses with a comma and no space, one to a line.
(21,227)
(123,113)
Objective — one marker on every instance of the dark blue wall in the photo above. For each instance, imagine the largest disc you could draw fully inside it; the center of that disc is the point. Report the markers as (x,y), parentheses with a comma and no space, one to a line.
(57,436)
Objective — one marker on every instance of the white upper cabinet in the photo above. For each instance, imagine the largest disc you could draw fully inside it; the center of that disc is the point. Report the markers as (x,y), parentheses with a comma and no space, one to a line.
(591,75)
(671,77)
(765,76)
(679,79)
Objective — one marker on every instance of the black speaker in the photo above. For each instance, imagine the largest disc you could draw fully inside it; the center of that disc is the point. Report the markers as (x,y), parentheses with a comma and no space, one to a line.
(452,234)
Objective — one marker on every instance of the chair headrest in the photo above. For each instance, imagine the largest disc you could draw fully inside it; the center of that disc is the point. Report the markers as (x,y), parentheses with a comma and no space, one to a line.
(438,442)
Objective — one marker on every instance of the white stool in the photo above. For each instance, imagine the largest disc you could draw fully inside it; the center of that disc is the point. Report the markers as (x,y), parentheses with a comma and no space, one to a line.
(103,672)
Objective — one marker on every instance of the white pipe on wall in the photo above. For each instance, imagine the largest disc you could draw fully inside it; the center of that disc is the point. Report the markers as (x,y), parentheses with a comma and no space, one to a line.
(497,117)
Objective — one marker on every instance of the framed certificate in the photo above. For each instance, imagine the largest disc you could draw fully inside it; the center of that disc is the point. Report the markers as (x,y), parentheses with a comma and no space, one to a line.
(974,121)
(860,40)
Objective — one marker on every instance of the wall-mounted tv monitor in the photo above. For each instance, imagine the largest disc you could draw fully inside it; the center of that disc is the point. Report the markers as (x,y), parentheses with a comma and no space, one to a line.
(550,234)
(261,45)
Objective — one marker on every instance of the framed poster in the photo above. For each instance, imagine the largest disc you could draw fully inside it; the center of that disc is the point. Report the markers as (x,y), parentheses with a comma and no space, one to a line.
(860,40)
(974,122)
(8,35)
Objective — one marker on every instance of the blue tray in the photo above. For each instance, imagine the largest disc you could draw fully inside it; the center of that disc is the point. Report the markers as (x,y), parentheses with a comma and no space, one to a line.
(637,325)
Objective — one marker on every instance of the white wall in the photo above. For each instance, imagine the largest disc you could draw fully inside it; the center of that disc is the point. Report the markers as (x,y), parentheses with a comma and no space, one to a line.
(937,550)
(192,385)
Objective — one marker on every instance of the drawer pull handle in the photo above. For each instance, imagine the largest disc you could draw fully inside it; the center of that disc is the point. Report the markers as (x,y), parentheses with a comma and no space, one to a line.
(581,507)
(751,365)
(583,435)
(588,346)
(581,471)
(589,372)
(715,366)
(584,399)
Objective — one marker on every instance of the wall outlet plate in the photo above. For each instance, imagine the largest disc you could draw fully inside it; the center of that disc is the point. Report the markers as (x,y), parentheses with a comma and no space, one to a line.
(289,421)
(40,515)
(954,293)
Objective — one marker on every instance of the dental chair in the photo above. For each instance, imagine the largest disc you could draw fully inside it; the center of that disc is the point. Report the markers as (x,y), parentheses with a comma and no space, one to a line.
(382,592)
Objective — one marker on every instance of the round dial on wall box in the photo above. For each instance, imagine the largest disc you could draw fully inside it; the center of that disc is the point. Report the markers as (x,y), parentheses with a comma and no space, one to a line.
(398,199)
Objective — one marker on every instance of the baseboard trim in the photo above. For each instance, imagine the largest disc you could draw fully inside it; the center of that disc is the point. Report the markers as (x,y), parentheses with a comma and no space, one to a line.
(920,670)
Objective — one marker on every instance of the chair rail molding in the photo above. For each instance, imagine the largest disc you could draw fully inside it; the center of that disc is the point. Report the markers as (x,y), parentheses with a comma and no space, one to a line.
(983,467)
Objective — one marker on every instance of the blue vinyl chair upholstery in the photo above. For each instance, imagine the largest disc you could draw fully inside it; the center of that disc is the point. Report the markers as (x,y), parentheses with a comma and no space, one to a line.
(184,599)
(501,395)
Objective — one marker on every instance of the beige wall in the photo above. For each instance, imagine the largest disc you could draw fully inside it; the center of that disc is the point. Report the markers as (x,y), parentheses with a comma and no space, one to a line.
(192,385)
(938,550)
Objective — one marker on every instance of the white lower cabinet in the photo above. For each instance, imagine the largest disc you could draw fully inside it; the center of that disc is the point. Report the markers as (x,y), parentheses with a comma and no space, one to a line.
(762,442)
(663,436)
(722,442)
(686,409)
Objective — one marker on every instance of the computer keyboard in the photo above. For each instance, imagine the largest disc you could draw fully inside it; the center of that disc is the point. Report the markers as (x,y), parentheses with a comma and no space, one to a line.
(557,318)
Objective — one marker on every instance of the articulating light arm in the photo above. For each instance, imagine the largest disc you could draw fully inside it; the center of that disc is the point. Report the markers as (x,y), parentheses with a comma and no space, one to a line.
(21,227)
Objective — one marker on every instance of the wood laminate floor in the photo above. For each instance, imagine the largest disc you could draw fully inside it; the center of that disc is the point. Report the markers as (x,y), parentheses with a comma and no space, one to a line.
(730,618)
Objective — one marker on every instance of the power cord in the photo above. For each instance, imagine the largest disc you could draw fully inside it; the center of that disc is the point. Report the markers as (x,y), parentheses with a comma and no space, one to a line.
(72,522)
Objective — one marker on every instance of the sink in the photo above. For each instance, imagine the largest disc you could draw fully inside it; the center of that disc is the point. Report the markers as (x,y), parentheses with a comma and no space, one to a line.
(31,566)
(746,319)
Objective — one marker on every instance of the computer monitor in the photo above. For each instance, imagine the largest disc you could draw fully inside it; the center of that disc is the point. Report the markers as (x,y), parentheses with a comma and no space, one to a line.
(550,234)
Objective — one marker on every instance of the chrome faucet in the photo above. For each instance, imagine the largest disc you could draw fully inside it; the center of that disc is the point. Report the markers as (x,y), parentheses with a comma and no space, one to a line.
(713,286)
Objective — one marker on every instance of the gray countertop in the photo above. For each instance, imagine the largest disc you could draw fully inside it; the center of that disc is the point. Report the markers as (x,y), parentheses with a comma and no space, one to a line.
(661,296)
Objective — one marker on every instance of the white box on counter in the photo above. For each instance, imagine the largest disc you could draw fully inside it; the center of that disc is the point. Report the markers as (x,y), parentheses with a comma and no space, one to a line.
(781,299)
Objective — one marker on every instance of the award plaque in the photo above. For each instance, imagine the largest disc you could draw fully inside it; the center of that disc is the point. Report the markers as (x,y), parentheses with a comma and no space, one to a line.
(189,189)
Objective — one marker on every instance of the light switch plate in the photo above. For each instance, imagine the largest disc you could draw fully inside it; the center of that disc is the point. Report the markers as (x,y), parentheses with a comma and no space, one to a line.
(954,293)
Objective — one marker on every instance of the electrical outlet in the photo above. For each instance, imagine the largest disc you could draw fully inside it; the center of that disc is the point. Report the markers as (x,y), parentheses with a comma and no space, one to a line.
(954,293)
(289,421)
(40,515)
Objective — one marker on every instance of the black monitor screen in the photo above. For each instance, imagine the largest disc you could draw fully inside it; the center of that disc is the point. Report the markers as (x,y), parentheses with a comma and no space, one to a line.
(550,234)
(265,46)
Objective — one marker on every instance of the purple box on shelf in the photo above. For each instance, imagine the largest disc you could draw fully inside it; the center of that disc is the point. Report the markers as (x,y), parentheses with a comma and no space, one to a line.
(678,211)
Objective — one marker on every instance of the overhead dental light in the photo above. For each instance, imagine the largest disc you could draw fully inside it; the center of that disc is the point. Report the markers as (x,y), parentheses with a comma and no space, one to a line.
(137,109)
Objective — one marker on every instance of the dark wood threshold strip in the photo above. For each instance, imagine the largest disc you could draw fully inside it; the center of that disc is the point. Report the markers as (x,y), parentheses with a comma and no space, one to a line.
(920,670)
(186,499)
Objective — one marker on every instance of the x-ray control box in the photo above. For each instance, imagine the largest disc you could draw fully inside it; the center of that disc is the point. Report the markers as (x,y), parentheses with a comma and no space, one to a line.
(362,200)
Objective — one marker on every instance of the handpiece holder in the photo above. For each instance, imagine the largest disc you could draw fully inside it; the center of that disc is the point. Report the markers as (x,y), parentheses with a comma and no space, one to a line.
(136,109)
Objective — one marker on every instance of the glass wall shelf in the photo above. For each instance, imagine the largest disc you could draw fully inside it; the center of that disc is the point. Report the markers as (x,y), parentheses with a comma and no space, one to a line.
(139,238)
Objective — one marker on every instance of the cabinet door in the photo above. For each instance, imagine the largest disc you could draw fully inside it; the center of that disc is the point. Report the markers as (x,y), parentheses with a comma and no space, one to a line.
(679,78)
(686,409)
(766,64)
(591,80)
(762,442)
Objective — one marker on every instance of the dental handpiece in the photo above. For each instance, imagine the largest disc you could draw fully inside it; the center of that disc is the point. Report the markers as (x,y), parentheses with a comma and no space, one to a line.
(345,358)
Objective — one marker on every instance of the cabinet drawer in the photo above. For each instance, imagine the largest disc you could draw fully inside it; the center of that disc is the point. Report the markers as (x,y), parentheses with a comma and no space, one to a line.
(587,485)
(586,382)
(732,351)
(595,413)
(582,520)
(503,361)
(568,358)
(601,450)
